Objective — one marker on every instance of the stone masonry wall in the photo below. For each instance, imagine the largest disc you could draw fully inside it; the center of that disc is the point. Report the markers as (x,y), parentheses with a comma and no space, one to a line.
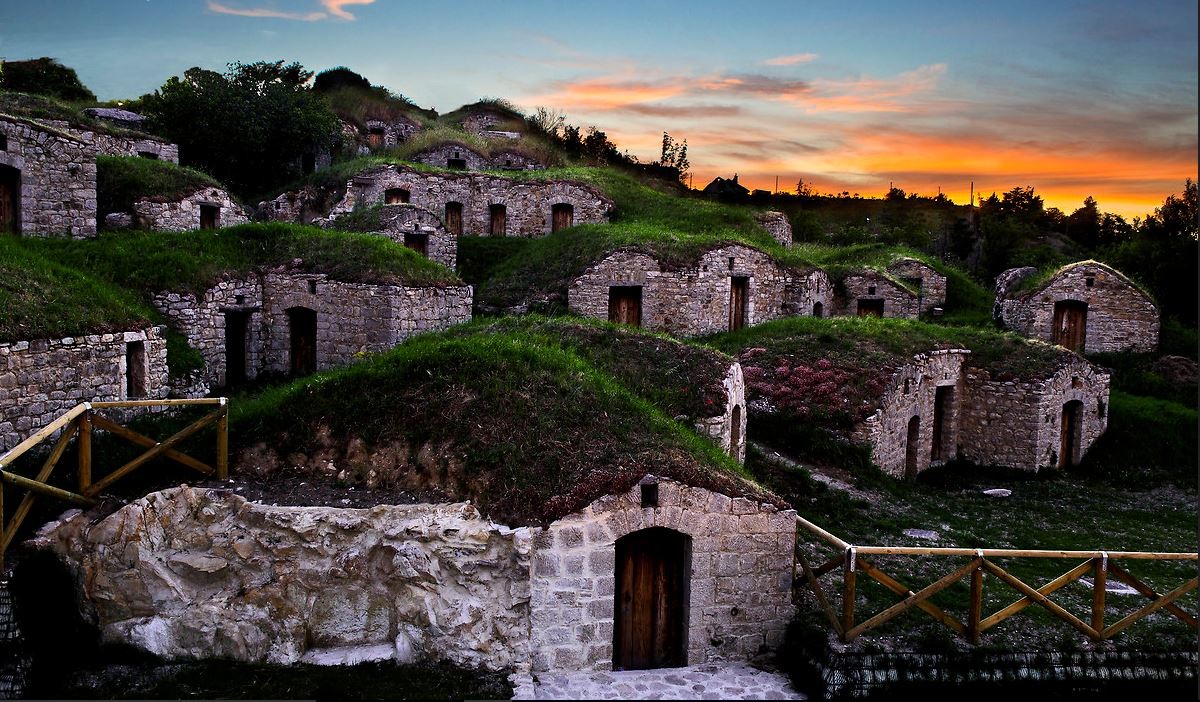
(721,428)
(1119,316)
(394,131)
(931,283)
(202,320)
(695,301)
(514,160)
(1018,423)
(184,214)
(113,145)
(911,393)
(57,176)
(440,156)
(742,555)
(482,121)
(195,573)
(528,204)
(43,378)
(777,225)
(399,220)
(897,302)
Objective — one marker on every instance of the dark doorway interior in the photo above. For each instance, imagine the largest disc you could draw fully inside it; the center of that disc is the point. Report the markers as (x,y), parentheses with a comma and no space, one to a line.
(456,164)
(912,447)
(454,218)
(135,369)
(236,325)
(651,608)
(303,324)
(308,163)
(1069,439)
(10,200)
(870,307)
(818,309)
(210,216)
(418,243)
(943,405)
(396,196)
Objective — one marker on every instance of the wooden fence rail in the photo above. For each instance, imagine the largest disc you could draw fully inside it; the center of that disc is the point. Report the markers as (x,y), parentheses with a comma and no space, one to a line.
(850,562)
(79,423)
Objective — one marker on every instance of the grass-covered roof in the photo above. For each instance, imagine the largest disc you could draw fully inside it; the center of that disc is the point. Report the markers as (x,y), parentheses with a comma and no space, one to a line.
(123,180)
(41,107)
(1041,277)
(522,424)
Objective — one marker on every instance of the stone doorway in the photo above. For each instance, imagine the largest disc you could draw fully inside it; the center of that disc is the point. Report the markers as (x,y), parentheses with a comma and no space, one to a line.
(135,370)
(1070,324)
(625,305)
(456,164)
(454,220)
(418,243)
(1068,442)
(236,325)
(562,216)
(818,309)
(739,295)
(497,216)
(210,216)
(651,607)
(10,200)
(943,405)
(302,323)
(869,307)
(912,448)
(375,137)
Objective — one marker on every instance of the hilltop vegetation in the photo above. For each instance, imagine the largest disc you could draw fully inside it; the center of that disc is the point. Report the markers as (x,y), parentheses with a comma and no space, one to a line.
(123,180)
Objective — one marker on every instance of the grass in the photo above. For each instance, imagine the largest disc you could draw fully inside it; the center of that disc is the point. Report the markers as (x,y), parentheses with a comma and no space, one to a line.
(123,180)
(1042,276)
(41,107)
(504,107)
(480,256)
(359,106)
(1148,441)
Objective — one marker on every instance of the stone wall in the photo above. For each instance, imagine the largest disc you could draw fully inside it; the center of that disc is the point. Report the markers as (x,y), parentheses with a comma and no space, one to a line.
(528,204)
(482,121)
(728,429)
(777,225)
(399,221)
(300,206)
(1018,423)
(114,145)
(184,214)
(912,393)
(925,278)
(352,318)
(57,175)
(873,285)
(696,300)
(1120,317)
(395,130)
(194,573)
(742,556)
(43,378)
(515,161)
(440,156)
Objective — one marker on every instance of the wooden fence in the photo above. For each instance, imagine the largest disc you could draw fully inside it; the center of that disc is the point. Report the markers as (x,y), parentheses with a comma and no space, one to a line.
(79,423)
(1100,564)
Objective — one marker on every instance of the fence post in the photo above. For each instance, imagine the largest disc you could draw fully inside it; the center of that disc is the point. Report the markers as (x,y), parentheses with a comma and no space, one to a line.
(223,441)
(848,582)
(84,445)
(976,606)
(1099,582)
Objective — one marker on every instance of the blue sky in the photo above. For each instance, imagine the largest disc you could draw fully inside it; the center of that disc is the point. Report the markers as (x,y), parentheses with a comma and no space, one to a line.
(1075,99)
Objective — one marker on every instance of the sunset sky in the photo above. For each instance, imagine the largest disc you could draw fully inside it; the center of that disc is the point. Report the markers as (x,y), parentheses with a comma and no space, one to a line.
(1075,99)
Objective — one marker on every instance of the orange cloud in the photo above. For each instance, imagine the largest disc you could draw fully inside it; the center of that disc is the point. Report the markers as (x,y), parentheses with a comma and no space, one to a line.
(790,60)
(333,8)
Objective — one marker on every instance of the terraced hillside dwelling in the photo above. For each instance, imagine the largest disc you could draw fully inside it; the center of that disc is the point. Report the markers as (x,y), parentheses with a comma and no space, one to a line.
(725,289)
(406,224)
(1087,307)
(777,225)
(47,181)
(456,157)
(387,134)
(205,208)
(503,159)
(929,283)
(474,204)
(871,293)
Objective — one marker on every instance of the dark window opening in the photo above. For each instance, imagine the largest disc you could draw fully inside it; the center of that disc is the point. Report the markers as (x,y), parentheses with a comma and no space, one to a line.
(456,164)
(148,154)
(870,308)
(239,299)
(1101,409)
(871,290)
(3,142)
(418,243)
(312,287)
(650,495)
(135,369)
(10,200)
(1090,281)
(396,196)
(210,216)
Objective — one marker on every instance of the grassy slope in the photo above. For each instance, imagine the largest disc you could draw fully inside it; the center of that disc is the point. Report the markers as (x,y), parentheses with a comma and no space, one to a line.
(122,180)
(532,430)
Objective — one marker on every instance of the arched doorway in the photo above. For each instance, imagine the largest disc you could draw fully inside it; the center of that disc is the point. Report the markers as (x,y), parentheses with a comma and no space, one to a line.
(10,200)
(1070,324)
(302,323)
(651,607)
(818,309)
(562,216)
(1069,437)
(912,447)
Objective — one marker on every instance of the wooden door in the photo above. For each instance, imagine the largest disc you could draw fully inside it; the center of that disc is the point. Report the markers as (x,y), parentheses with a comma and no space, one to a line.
(498,217)
(418,243)
(375,138)
(625,305)
(210,216)
(650,618)
(1068,442)
(912,449)
(303,324)
(562,216)
(1070,324)
(739,293)
(943,396)
(10,199)
(235,347)
(870,308)
(454,218)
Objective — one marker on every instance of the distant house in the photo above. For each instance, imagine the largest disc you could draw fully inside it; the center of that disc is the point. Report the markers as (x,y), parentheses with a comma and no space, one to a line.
(726,190)
(1086,307)
(203,208)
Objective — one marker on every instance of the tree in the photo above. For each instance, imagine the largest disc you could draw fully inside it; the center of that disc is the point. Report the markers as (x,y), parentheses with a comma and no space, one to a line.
(674,155)
(337,78)
(247,127)
(44,76)
(1084,223)
(804,189)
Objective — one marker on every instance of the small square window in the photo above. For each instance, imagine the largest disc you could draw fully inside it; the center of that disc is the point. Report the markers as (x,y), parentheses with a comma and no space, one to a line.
(731,263)
(239,299)
(3,142)
(871,290)
(650,495)
(1090,281)
(312,287)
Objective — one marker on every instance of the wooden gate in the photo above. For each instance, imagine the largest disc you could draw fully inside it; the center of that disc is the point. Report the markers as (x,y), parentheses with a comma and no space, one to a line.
(10,200)
(454,222)
(870,308)
(1069,434)
(562,216)
(303,324)
(1070,324)
(739,293)
(625,305)
(650,628)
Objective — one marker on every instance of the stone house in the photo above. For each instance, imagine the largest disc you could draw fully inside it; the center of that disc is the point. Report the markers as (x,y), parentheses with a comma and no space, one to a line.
(1087,307)
(386,134)
(418,229)
(777,225)
(929,284)
(458,157)
(206,208)
(478,203)
(145,146)
(872,293)
(47,181)
(481,119)
(727,288)
(281,322)
(514,160)
(40,379)
(728,429)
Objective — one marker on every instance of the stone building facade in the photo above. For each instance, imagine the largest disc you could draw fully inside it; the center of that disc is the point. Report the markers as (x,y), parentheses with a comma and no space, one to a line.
(207,208)
(872,293)
(930,284)
(777,225)
(482,204)
(300,206)
(1088,307)
(1047,422)
(737,600)
(278,322)
(421,230)
(728,429)
(385,134)
(144,146)
(42,378)
(482,120)
(917,424)
(514,160)
(728,287)
(47,181)
(457,157)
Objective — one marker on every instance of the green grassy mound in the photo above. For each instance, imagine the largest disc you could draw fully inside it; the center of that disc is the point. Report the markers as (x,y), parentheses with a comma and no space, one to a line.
(528,430)
(123,180)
